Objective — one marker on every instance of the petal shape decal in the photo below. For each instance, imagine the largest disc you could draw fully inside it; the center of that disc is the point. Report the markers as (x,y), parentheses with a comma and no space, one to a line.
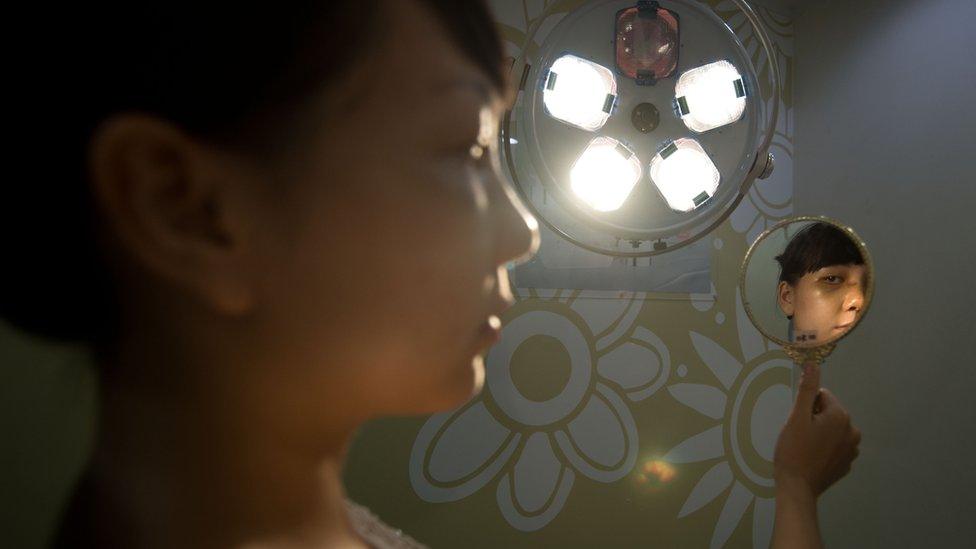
(646,336)
(623,325)
(735,507)
(466,444)
(457,453)
(719,361)
(602,440)
(522,520)
(536,475)
(763,515)
(712,483)
(703,446)
(630,365)
(704,399)
(757,228)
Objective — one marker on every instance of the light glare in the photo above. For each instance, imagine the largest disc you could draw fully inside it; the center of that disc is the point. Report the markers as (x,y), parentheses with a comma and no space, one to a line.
(605,174)
(709,97)
(684,175)
(577,92)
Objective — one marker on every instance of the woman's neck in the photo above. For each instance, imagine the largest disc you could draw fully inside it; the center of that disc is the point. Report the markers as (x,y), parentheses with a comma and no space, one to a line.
(187,457)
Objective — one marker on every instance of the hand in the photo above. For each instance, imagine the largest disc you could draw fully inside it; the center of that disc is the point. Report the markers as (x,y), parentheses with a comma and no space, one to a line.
(818,443)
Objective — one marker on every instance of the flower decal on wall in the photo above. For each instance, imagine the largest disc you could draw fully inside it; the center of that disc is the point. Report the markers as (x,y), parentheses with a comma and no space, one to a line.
(554,407)
(750,402)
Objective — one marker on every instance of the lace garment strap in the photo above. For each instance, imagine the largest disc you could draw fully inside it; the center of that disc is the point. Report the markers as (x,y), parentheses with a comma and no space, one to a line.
(377,533)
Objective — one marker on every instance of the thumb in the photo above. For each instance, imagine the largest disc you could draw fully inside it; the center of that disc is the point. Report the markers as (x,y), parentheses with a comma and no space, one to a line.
(808,390)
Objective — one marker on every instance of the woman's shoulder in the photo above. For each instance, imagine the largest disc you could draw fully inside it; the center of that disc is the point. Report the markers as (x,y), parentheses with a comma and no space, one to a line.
(377,533)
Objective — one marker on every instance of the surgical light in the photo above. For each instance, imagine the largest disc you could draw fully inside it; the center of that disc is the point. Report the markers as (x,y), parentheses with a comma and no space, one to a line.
(710,96)
(579,92)
(636,128)
(684,175)
(605,174)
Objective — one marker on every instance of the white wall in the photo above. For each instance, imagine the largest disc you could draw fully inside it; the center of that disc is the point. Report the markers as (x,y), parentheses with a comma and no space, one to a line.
(885,131)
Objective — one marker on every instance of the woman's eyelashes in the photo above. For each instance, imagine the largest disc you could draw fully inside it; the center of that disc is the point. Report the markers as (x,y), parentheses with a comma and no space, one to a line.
(464,151)
(465,159)
(477,151)
(478,154)
(477,146)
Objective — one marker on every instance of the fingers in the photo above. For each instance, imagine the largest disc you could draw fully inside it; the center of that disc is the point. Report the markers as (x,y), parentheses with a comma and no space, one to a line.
(808,390)
(829,404)
(828,399)
(833,413)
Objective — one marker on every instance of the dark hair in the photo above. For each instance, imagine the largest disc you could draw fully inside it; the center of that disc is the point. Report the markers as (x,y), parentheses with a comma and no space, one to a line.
(814,247)
(217,70)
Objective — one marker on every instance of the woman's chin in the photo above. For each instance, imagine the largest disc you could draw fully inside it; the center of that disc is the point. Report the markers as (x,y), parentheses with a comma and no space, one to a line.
(460,387)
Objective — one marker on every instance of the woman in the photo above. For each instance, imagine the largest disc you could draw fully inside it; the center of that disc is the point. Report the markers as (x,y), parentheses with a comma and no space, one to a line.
(821,283)
(274,195)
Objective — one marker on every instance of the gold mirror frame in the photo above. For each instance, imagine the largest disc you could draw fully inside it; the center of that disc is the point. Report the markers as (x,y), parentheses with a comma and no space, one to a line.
(815,353)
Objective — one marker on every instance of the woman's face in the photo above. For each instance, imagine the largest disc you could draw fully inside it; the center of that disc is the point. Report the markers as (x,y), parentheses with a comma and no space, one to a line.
(382,251)
(825,303)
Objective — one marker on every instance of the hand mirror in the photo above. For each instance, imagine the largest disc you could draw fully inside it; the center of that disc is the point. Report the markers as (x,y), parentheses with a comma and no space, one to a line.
(806,283)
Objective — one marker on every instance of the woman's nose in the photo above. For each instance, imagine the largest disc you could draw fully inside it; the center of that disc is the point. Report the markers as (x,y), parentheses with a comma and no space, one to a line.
(854,300)
(516,230)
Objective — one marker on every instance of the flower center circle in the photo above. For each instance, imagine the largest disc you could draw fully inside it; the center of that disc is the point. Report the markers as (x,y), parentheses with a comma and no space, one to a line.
(760,407)
(500,383)
(540,368)
(772,405)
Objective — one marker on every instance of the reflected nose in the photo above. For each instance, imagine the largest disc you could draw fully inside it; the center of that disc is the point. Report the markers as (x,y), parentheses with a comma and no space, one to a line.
(516,230)
(854,300)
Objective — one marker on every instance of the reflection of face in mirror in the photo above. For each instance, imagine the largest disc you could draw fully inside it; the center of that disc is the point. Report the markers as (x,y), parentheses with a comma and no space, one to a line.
(821,284)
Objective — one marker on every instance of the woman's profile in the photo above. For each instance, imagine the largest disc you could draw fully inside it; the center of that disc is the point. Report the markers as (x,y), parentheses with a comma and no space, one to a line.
(257,204)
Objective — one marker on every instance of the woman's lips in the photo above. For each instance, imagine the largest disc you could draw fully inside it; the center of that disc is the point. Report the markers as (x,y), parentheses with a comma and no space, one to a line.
(490,331)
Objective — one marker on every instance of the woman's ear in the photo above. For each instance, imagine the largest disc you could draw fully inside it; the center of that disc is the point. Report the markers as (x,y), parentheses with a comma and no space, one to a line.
(784,297)
(165,198)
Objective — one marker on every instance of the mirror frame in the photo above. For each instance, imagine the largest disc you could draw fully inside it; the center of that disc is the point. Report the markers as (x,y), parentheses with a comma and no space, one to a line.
(813,353)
